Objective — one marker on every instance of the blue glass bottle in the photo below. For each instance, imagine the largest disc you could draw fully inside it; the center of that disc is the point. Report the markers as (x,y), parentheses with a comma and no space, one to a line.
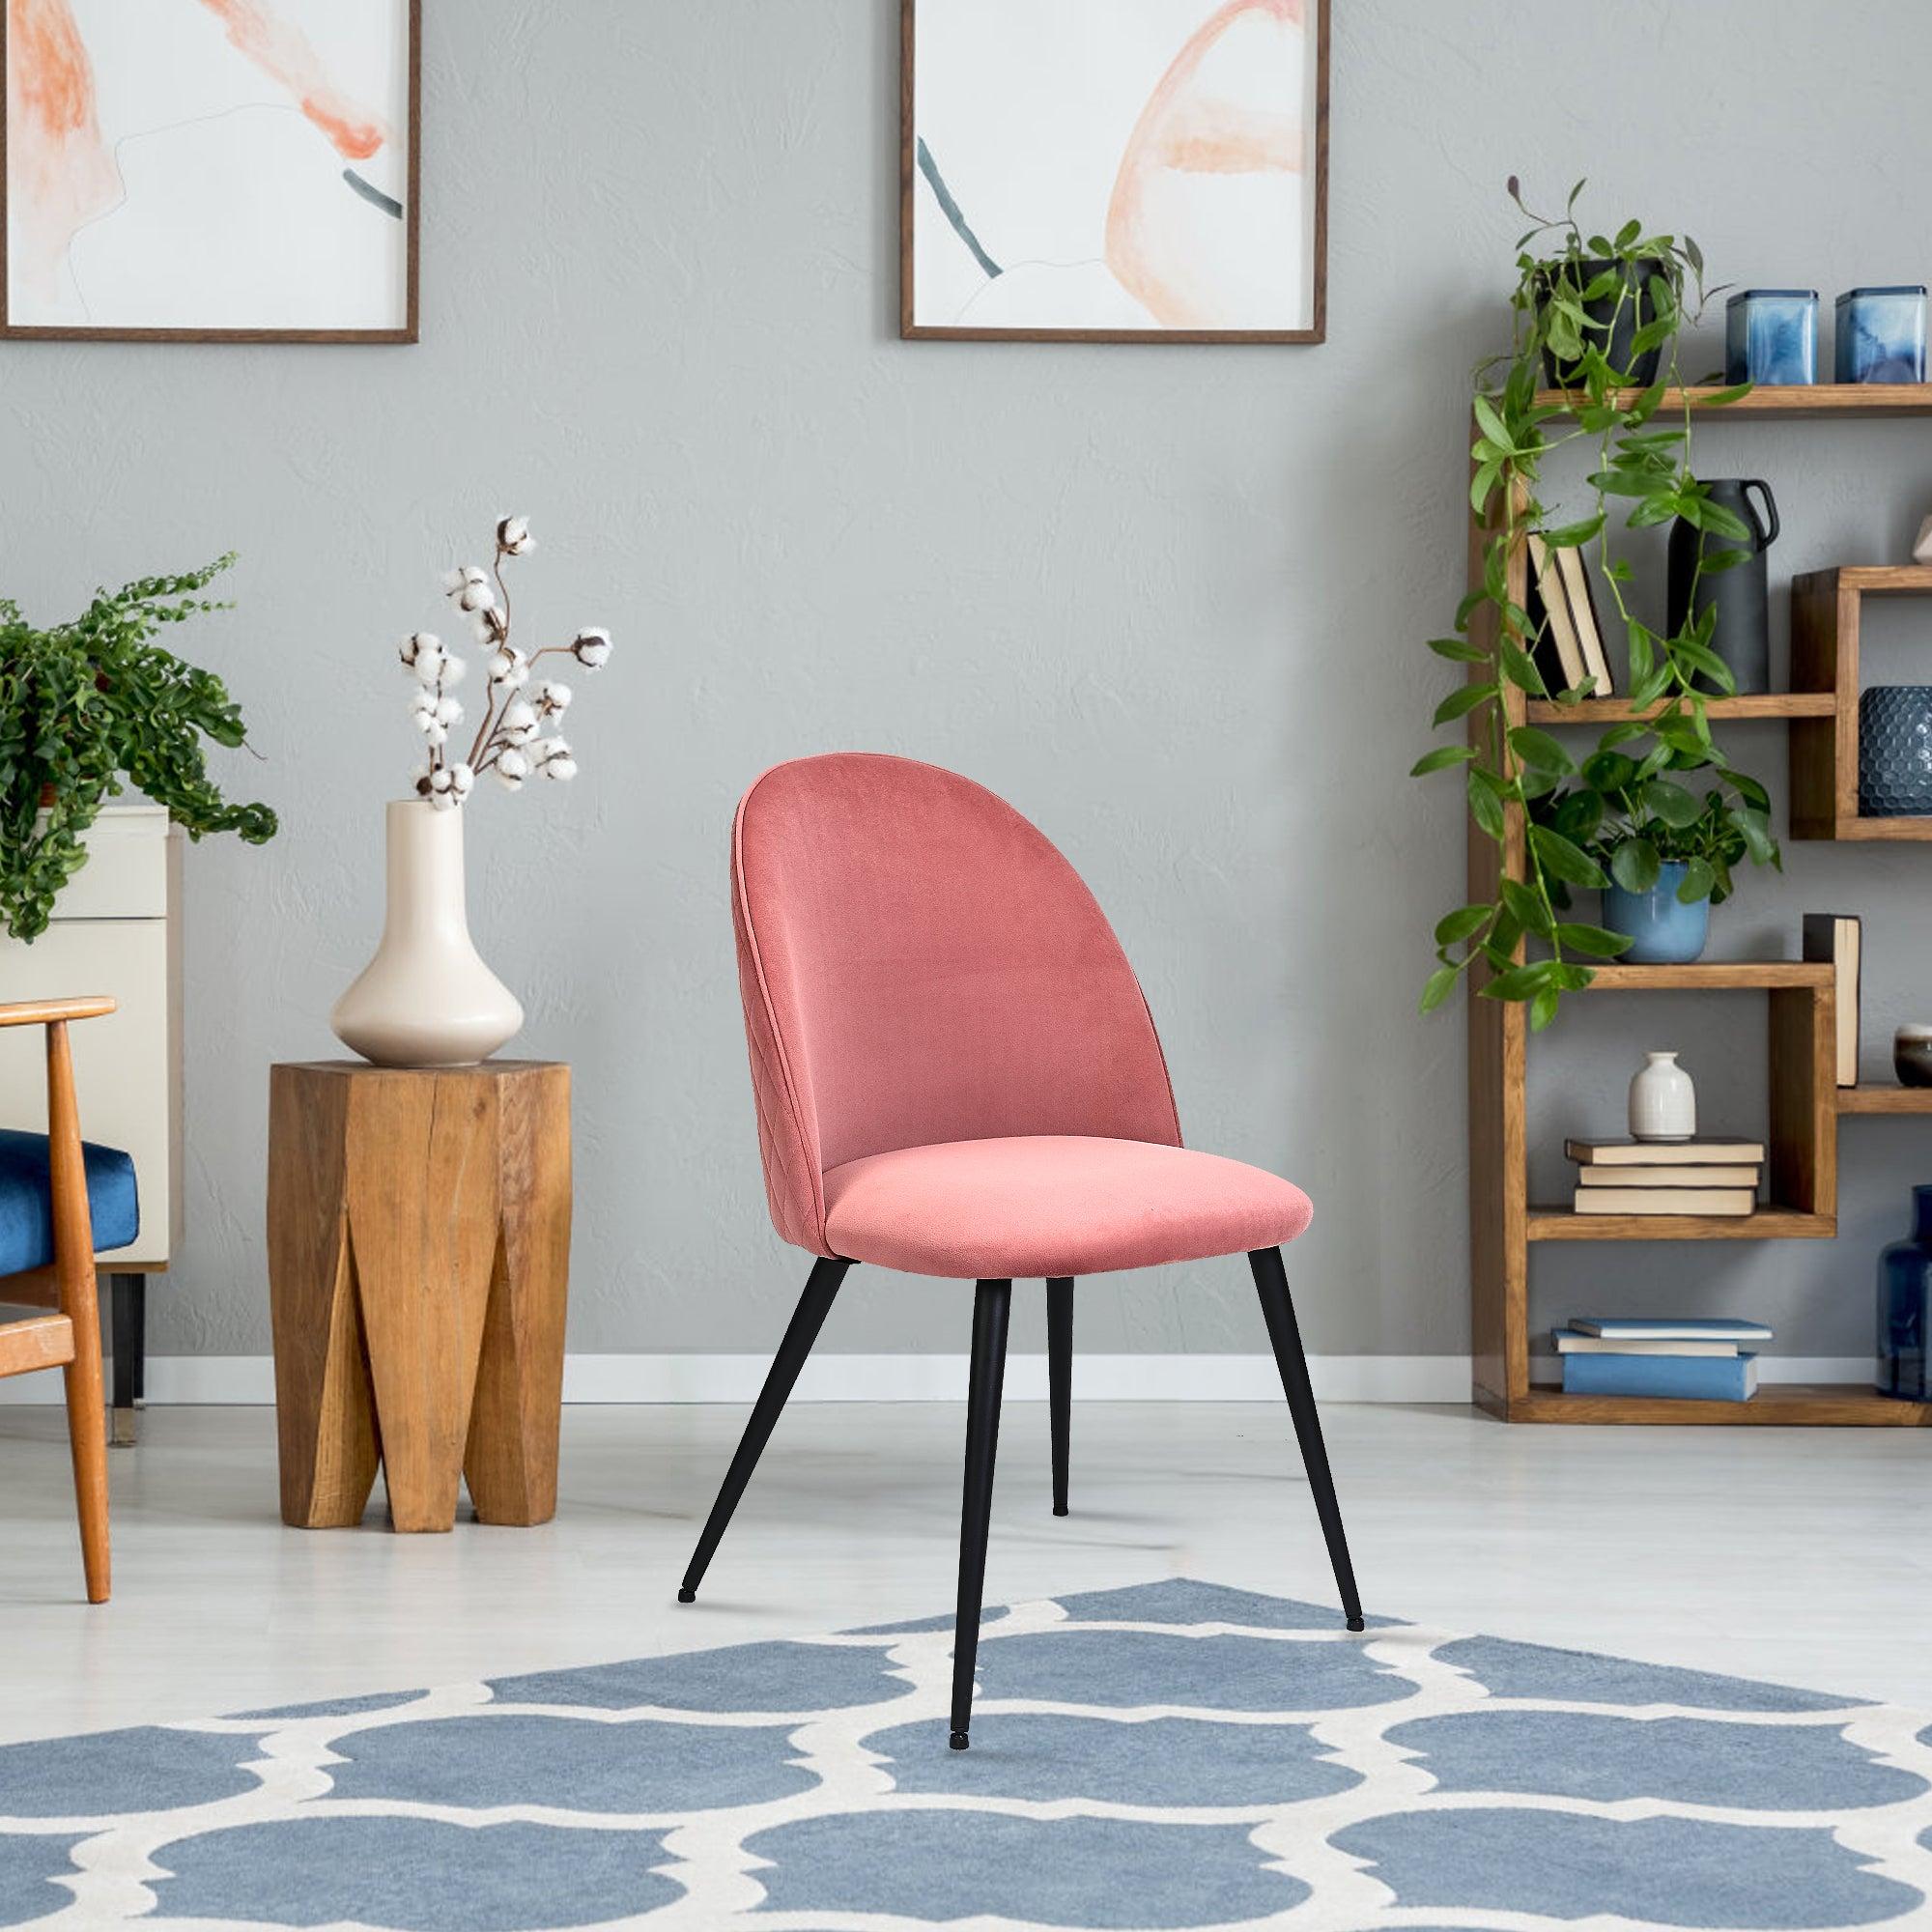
(1904,1291)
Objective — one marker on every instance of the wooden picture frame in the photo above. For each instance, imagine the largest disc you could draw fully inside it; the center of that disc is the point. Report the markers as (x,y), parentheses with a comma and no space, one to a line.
(913,171)
(403,331)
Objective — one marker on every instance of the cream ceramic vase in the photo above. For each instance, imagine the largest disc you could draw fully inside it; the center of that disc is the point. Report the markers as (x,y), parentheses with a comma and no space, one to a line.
(426,999)
(1662,1101)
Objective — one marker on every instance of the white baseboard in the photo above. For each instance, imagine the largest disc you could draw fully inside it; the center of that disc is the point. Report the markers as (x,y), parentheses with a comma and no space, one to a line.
(244,1380)
(738,1378)
(225,1380)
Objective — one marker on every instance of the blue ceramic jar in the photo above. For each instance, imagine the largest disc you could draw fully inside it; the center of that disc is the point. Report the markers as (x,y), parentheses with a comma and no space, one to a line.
(1882,335)
(1771,336)
(1665,929)
(1904,1285)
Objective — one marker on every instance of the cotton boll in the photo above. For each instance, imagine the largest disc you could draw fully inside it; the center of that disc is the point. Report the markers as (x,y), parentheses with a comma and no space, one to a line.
(491,626)
(465,577)
(562,768)
(553,699)
(429,663)
(461,778)
(476,597)
(519,723)
(546,749)
(452,673)
(448,712)
(417,646)
(509,669)
(513,536)
(512,768)
(592,648)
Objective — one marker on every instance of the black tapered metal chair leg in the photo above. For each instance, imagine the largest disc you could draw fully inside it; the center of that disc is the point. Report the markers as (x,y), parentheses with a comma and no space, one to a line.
(992,1301)
(1271,1284)
(813,1305)
(1060,1379)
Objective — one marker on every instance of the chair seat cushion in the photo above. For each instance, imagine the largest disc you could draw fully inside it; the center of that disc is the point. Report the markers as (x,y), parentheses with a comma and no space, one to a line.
(1053,1205)
(26,1201)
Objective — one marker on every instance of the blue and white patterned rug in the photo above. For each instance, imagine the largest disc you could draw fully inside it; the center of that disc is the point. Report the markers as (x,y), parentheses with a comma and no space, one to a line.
(1175,1754)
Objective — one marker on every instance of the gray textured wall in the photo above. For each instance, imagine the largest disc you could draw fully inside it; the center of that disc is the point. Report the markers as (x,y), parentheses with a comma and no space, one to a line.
(1168,600)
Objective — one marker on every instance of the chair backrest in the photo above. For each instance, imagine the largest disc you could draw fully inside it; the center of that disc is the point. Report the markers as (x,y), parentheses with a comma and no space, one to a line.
(918,965)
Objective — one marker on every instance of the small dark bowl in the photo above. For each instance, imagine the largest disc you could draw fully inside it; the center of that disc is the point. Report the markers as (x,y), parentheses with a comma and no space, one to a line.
(1911,1062)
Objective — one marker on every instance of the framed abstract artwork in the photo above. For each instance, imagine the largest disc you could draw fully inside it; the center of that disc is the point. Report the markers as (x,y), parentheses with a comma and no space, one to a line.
(210,170)
(1114,170)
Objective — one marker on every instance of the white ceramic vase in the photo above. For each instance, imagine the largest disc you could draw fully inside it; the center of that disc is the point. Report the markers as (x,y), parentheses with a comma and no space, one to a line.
(1662,1102)
(426,999)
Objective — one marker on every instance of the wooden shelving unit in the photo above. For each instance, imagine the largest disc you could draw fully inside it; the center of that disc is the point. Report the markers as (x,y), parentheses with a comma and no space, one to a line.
(1806,1102)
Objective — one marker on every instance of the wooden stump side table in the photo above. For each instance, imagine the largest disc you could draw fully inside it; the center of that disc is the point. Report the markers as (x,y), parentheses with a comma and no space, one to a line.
(419,1269)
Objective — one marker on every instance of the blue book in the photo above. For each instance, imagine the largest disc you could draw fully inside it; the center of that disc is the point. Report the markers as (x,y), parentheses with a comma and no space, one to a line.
(1723,1329)
(1681,1377)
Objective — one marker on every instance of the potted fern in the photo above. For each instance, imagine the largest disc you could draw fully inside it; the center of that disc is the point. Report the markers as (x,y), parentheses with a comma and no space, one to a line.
(92,702)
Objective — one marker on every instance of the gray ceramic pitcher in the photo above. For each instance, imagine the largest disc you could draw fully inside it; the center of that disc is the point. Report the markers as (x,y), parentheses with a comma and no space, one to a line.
(1742,594)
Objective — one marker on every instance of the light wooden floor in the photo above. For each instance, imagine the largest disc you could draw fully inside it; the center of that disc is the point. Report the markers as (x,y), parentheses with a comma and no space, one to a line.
(1801,1556)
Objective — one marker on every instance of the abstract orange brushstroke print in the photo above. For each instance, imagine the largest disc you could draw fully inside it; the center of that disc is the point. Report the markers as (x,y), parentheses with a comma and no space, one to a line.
(1212,144)
(282,51)
(59,176)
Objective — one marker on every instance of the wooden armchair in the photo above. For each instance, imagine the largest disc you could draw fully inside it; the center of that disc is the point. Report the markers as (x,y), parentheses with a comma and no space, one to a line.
(56,1196)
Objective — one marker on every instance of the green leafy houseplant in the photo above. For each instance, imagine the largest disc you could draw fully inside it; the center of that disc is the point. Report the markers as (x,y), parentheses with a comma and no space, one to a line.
(1631,827)
(1608,311)
(92,699)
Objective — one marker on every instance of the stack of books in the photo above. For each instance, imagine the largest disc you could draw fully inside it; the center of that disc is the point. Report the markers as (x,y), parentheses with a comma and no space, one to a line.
(1687,1361)
(1569,651)
(1696,1177)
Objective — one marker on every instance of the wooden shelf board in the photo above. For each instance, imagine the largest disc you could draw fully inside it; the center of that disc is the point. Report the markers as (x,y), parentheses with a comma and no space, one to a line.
(1775,1404)
(1914,831)
(1711,976)
(1869,579)
(1766,1224)
(1811,399)
(1885,1098)
(1599,711)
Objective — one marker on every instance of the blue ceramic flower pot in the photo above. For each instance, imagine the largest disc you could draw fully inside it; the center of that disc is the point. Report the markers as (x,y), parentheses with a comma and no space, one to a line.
(1665,930)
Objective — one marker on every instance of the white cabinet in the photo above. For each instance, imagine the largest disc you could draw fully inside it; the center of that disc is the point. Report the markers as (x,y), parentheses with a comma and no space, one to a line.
(115,929)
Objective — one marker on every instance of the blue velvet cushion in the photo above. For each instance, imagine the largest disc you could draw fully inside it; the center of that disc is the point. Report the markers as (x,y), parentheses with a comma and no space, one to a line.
(26,1204)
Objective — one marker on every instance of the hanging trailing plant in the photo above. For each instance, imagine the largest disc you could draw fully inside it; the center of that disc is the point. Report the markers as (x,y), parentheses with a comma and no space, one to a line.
(88,701)
(1601,318)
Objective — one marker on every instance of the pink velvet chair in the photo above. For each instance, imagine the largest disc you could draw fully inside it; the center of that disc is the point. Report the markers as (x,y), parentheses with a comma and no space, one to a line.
(956,1074)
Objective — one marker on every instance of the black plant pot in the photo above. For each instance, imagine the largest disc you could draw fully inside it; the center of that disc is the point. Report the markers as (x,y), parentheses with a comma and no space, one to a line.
(1634,311)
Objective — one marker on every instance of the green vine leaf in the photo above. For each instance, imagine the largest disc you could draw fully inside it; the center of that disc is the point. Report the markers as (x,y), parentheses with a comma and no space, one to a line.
(1564,861)
(1539,750)
(1463,701)
(1595,939)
